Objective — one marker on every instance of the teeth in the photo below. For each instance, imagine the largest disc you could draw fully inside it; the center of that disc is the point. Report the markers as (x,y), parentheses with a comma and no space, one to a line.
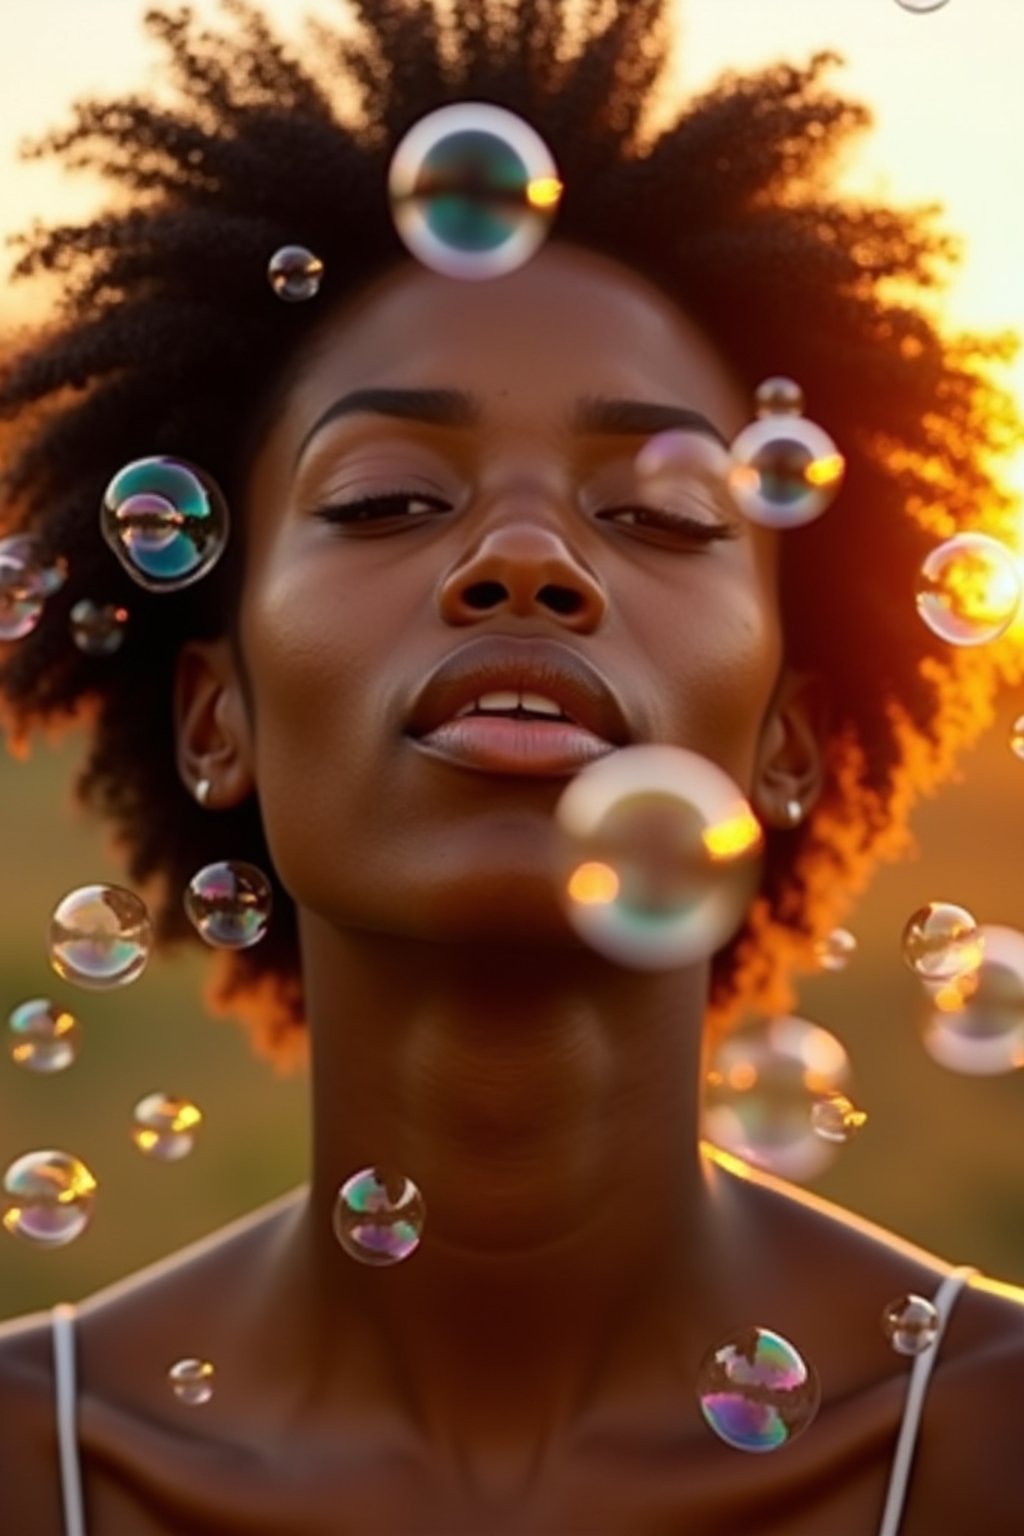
(501,701)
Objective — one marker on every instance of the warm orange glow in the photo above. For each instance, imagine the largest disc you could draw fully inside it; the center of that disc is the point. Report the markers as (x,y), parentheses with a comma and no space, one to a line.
(742,1077)
(733,836)
(593,885)
(544,192)
(827,471)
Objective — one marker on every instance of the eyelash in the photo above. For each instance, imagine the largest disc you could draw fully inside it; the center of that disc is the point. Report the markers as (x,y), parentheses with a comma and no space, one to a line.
(362,511)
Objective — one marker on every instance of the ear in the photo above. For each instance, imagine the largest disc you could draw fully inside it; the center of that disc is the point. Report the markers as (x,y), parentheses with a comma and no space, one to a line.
(212,730)
(790,768)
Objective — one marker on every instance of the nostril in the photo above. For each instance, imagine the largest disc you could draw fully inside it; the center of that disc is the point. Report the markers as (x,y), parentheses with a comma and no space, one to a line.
(485,594)
(561,599)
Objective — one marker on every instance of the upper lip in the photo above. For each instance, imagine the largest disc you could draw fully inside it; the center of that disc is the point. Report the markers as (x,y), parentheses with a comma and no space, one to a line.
(492,662)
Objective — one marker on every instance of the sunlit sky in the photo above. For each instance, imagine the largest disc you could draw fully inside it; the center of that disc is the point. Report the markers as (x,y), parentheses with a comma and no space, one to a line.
(947,89)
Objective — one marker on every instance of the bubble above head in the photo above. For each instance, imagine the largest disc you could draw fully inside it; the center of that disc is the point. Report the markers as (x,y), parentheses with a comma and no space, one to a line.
(657,857)
(166,520)
(473,190)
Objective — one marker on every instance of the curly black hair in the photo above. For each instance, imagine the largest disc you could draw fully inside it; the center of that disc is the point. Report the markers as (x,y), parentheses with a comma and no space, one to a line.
(168,339)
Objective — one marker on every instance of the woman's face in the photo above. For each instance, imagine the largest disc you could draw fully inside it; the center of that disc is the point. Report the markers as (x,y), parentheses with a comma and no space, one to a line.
(512,514)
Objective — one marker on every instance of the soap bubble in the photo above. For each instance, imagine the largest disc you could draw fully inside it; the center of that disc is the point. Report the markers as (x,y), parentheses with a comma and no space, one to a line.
(756,1391)
(779,396)
(295,274)
(100,936)
(761,1087)
(785,471)
(229,904)
(473,190)
(921,6)
(166,521)
(942,940)
(835,951)
(164,1128)
(25,584)
(911,1324)
(657,856)
(836,1118)
(378,1216)
(976,1022)
(48,1198)
(98,628)
(1017,737)
(969,589)
(44,1037)
(191,1381)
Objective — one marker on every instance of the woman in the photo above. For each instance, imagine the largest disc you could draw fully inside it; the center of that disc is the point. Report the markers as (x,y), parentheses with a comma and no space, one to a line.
(465,528)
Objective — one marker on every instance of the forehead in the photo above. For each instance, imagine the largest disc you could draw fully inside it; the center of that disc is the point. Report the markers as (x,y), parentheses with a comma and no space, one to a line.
(570,323)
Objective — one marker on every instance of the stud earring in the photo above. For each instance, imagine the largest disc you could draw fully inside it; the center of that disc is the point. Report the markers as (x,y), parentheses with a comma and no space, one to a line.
(792,813)
(202,791)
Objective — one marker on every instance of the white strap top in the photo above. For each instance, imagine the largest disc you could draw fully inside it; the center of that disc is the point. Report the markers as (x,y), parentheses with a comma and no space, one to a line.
(67,1439)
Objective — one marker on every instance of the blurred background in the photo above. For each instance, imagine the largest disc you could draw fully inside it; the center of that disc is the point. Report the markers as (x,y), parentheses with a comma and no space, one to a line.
(941,1159)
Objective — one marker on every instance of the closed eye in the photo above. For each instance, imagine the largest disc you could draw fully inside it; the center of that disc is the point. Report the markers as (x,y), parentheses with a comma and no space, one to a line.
(703,530)
(396,505)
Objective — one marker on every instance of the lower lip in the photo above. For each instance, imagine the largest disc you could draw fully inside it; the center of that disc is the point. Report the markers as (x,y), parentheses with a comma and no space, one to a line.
(533,748)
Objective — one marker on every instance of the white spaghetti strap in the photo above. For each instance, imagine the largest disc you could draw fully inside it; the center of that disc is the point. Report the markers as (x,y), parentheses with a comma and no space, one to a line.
(921,1370)
(67,1435)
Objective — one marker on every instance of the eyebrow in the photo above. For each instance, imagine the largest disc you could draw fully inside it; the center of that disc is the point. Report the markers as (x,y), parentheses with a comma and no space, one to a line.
(592,414)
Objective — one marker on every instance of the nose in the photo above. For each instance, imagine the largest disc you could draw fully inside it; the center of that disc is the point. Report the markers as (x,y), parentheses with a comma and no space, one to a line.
(525,569)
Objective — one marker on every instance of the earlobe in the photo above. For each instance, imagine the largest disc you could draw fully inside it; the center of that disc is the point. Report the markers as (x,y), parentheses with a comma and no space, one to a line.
(790,768)
(211,725)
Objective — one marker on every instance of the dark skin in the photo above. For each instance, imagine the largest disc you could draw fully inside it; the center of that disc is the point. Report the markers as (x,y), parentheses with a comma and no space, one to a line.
(530,1370)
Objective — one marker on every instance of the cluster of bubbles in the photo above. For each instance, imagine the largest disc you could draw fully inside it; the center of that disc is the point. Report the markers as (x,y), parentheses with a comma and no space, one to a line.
(784,470)
(657,856)
(756,1391)
(378,1216)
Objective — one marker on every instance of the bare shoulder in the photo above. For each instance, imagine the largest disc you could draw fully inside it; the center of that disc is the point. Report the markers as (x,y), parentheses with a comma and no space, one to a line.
(29,1470)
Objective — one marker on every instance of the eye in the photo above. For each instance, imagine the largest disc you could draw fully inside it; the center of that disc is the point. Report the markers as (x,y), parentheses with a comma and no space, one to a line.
(683,526)
(386,506)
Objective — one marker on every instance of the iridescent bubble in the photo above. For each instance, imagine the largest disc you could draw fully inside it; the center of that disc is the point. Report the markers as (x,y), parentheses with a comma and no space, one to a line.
(48,1198)
(473,190)
(166,521)
(1017,737)
(835,951)
(837,1118)
(24,586)
(942,940)
(44,1037)
(295,274)
(911,1324)
(756,1391)
(975,1022)
(164,1128)
(98,628)
(785,471)
(229,904)
(191,1381)
(762,1084)
(779,396)
(100,936)
(378,1216)
(969,589)
(657,856)
(921,6)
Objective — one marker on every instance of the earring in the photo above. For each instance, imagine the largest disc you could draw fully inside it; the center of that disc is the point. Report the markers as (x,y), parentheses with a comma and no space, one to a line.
(792,813)
(202,791)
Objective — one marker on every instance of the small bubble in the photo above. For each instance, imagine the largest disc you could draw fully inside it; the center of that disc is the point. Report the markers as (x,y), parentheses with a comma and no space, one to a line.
(779,396)
(164,1128)
(191,1381)
(473,190)
(975,1023)
(295,274)
(657,858)
(229,904)
(44,1037)
(836,1118)
(921,6)
(911,1324)
(942,940)
(48,1198)
(378,1216)
(98,628)
(969,589)
(835,951)
(762,1084)
(166,521)
(24,587)
(100,936)
(1017,737)
(756,1391)
(785,471)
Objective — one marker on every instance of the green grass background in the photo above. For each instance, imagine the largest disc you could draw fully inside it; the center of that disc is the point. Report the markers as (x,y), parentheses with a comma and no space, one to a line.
(941,1159)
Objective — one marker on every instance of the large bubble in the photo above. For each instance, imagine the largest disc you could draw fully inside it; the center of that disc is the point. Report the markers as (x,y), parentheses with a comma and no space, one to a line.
(48,1198)
(756,1391)
(473,190)
(785,471)
(166,521)
(100,936)
(658,856)
(969,589)
(378,1217)
(975,1022)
